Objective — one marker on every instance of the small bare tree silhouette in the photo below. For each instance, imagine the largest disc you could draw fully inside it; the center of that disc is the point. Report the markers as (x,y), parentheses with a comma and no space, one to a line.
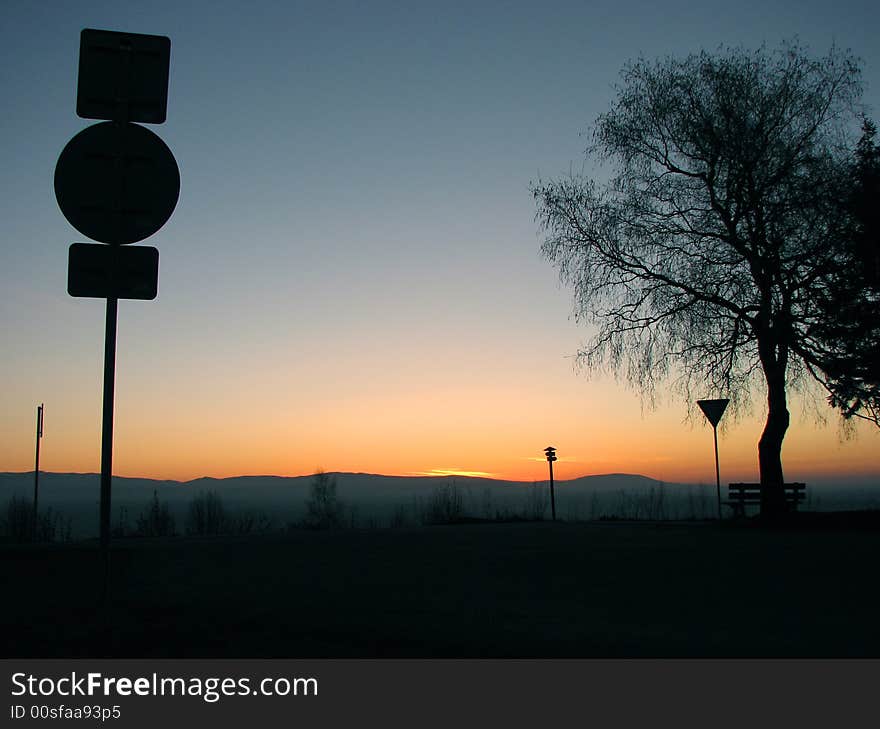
(323,508)
(206,515)
(157,520)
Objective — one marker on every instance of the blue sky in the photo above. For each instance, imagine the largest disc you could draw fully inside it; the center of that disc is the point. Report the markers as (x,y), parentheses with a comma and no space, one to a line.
(354,215)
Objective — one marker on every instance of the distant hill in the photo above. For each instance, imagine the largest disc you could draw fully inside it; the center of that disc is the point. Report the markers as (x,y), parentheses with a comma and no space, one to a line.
(377,500)
(370,498)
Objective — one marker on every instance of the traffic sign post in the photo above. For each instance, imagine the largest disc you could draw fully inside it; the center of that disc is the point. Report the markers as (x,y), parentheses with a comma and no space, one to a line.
(713,410)
(550,452)
(117,183)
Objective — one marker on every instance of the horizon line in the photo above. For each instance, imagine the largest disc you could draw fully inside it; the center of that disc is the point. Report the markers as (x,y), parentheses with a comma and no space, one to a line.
(424,475)
(819,476)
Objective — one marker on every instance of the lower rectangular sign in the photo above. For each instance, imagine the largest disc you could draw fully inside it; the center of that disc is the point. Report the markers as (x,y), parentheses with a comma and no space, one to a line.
(113,272)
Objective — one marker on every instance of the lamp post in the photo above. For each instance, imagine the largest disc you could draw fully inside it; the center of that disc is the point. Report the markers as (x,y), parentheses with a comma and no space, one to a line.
(550,452)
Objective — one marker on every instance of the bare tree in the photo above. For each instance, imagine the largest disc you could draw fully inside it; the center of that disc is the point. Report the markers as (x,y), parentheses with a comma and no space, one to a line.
(157,520)
(445,505)
(323,508)
(206,515)
(701,260)
(20,522)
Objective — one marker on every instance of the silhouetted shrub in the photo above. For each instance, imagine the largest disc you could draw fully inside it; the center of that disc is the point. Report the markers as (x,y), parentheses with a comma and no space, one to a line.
(206,515)
(487,505)
(323,509)
(698,503)
(399,517)
(122,528)
(445,506)
(537,500)
(19,520)
(156,521)
(18,525)
(250,522)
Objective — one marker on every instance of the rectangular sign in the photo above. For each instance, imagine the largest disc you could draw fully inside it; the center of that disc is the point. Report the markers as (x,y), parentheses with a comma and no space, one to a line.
(123,76)
(113,272)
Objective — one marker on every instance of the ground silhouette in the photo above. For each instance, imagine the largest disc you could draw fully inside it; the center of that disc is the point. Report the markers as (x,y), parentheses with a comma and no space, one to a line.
(481,590)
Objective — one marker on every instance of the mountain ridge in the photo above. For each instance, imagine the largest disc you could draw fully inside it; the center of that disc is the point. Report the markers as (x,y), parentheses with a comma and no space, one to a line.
(355,474)
(377,500)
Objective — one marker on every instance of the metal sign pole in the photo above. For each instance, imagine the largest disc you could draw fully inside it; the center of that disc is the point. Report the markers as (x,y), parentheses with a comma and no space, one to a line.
(717,471)
(34,518)
(107,433)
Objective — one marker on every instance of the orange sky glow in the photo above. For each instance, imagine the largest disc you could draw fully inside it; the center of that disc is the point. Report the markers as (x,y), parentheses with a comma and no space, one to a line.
(494,431)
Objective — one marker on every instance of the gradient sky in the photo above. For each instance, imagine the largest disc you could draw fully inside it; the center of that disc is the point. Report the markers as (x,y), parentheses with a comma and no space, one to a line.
(352,277)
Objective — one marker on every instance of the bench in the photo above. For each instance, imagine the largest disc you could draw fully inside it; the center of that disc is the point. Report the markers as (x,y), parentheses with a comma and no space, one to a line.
(744,494)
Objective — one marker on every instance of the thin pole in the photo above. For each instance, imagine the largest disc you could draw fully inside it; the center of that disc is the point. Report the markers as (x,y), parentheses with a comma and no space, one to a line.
(37,471)
(717,472)
(552,496)
(107,434)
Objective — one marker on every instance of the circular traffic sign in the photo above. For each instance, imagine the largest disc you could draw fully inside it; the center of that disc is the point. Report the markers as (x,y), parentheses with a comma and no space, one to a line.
(117,182)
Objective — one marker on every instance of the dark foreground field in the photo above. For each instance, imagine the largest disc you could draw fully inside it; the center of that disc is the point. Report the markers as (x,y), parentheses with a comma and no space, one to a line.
(483,590)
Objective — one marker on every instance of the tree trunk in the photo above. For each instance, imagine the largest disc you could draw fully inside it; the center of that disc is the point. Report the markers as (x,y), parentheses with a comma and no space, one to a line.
(770,445)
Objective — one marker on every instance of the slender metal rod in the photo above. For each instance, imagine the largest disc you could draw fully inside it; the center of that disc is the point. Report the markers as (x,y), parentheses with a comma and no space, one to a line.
(552,495)
(34,517)
(107,428)
(717,472)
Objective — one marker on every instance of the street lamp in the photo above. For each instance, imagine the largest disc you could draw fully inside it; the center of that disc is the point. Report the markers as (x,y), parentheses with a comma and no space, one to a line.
(550,452)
